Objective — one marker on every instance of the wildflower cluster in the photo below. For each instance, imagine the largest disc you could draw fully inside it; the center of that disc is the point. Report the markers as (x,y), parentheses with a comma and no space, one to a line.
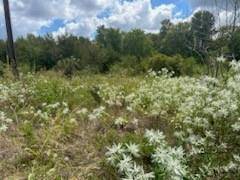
(122,157)
(158,95)
(167,162)
(199,119)
(4,122)
(208,125)
(112,96)
(12,96)
(205,115)
(121,121)
(96,114)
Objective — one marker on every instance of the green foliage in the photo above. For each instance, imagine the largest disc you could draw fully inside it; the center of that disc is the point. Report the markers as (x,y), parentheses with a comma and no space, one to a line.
(69,66)
(177,40)
(27,130)
(234,44)
(136,43)
(176,64)
(73,46)
(109,38)
(166,25)
(111,57)
(38,52)
(202,27)
(111,48)
(128,65)
(95,126)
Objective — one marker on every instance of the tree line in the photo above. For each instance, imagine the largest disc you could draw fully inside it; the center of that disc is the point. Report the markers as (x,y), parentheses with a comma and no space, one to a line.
(194,42)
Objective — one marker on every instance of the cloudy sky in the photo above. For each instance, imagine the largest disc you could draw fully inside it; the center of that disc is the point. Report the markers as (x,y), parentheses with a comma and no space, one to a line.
(81,17)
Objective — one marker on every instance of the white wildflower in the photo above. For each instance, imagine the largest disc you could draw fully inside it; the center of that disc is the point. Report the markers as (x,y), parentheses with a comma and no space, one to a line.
(115,149)
(236,127)
(133,149)
(3,128)
(221,59)
(125,164)
(97,113)
(155,137)
(82,111)
(65,110)
(121,121)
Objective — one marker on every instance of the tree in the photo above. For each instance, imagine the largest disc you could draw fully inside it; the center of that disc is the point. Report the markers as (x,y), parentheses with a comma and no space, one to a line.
(136,43)
(165,27)
(202,26)
(77,47)
(37,52)
(234,44)
(110,42)
(220,45)
(109,38)
(177,40)
(157,39)
(68,46)
(50,52)
(29,50)
(97,58)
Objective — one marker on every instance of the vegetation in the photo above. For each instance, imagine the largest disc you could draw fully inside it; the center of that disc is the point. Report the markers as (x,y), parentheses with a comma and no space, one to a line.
(126,105)
(96,126)
(197,40)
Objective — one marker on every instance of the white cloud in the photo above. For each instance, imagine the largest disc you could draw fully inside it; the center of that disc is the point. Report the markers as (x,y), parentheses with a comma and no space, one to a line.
(124,15)
(139,14)
(92,6)
(81,16)
(85,27)
(28,16)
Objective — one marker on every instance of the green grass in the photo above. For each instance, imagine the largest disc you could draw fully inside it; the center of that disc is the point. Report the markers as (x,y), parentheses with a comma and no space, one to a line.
(63,146)
(54,127)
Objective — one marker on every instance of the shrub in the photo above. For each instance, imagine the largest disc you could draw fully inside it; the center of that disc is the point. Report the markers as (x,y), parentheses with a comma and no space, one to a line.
(69,66)
(177,64)
(128,65)
(110,57)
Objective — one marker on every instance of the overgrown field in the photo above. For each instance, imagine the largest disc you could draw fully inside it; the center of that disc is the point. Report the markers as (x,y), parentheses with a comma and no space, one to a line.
(117,127)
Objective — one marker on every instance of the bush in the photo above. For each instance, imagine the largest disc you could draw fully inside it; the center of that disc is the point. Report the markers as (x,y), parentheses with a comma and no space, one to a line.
(110,57)
(177,64)
(129,65)
(69,66)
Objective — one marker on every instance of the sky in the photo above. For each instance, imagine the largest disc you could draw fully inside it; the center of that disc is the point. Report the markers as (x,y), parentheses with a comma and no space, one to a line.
(82,17)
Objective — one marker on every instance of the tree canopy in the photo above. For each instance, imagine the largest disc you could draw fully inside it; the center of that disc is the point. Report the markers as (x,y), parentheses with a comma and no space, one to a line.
(111,46)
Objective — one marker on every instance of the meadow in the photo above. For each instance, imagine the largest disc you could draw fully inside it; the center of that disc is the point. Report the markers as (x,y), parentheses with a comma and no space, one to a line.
(153,126)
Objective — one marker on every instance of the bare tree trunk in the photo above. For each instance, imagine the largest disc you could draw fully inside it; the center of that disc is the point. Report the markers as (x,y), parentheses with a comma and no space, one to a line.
(10,42)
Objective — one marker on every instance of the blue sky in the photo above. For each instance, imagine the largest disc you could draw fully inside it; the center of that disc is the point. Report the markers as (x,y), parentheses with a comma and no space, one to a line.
(54,26)
(82,17)
(181,5)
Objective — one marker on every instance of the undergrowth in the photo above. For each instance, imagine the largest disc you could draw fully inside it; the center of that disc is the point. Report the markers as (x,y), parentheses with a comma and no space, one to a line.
(117,127)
